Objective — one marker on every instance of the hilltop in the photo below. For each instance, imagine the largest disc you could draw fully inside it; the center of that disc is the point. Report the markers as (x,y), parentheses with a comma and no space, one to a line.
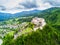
(26,35)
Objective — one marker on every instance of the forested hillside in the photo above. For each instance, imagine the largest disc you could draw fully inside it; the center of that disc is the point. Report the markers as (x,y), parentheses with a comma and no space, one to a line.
(49,35)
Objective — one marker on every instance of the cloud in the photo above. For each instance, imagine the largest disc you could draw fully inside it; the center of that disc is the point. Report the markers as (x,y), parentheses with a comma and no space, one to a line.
(54,2)
(2,8)
(13,6)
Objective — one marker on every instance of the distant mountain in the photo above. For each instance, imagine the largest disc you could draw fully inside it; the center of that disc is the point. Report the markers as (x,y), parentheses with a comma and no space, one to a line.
(49,14)
(6,16)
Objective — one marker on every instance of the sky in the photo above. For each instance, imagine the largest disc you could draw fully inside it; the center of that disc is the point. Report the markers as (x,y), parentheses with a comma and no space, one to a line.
(14,6)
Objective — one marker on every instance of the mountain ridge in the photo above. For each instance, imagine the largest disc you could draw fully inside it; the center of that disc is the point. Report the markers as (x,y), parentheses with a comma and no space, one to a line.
(7,16)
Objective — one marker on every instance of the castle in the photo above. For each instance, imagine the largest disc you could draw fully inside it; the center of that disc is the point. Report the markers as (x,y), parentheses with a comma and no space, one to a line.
(38,22)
